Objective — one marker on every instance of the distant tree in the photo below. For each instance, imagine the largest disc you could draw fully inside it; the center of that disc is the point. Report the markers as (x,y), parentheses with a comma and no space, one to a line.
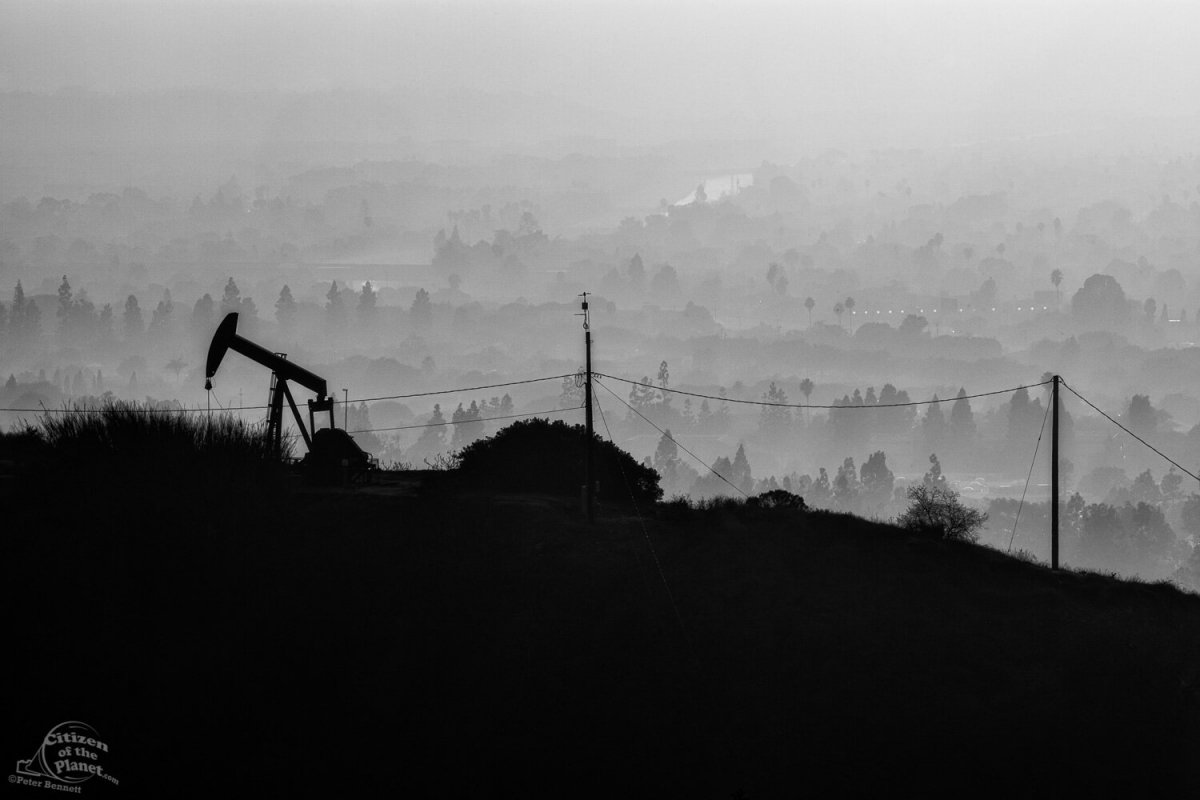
(777,278)
(285,310)
(1172,485)
(202,314)
(636,270)
(1056,278)
(838,310)
(134,324)
(432,440)
(642,395)
(740,470)
(160,318)
(104,323)
(1191,517)
(676,474)
(809,304)
(850,307)
(1148,308)
(367,300)
(938,510)
(176,365)
(421,310)
(231,301)
(701,195)
(65,302)
(934,479)
(1140,416)
(806,389)
(467,425)
(24,317)
(775,419)
(572,394)
(962,420)
(1100,300)
(877,482)
(913,326)
(335,307)
(666,280)
(846,486)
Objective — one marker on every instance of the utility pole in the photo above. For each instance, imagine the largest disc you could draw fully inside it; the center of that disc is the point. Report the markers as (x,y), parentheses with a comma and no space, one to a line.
(1054,476)
(589,484)
(345,409)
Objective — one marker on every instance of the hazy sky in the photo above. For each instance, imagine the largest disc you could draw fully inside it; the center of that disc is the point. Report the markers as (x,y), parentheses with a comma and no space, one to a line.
(1039,62)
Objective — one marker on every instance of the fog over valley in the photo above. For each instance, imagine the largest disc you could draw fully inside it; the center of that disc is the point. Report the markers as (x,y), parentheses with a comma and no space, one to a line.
(886,302)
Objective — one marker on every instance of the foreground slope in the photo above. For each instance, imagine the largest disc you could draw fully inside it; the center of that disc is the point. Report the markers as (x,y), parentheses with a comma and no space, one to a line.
(446,644)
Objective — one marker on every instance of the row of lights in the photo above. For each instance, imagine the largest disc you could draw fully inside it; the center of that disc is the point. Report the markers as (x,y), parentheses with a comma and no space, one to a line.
(922,311)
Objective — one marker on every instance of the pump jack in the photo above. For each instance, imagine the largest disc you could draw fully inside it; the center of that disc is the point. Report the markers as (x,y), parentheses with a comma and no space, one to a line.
(330,451)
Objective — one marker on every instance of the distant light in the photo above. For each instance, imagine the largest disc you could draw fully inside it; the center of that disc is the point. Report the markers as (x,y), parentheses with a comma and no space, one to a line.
(922,311)
(1018,308)
(993,308)
(1043,308)
(889,311)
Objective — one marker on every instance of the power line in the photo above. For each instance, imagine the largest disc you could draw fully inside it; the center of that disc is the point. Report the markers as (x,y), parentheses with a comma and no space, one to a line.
(460,421)
(671,438)
(1028,477)
(806,405)
(466,389)
(1166,457)
(262,408)
(464,421)
(633,499)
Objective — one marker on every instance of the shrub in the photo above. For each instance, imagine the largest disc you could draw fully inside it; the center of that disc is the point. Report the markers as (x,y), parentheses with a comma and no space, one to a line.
(778,499)
(937,510)
(122,449)
(536,455)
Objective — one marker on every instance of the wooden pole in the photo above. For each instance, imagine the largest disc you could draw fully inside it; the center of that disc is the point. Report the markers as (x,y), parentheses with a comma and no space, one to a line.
(1054,477)
(589,486)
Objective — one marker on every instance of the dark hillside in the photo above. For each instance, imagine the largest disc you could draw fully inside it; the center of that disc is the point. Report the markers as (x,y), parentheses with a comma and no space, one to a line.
(372,642)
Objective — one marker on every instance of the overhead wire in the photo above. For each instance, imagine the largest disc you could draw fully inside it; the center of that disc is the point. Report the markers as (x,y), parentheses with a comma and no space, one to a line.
(1102,413)
(817,406)
(671,438)
(1028,477)
(460,421)
(353,400)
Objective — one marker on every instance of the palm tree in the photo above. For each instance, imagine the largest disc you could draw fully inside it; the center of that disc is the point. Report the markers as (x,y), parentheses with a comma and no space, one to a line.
(809,303)
(850,307)
(839,309)
(806,389)
(1056,278)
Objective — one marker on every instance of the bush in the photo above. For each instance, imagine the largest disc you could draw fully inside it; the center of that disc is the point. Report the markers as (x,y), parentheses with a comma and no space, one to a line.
(937,510)
(536,455)
(778,499)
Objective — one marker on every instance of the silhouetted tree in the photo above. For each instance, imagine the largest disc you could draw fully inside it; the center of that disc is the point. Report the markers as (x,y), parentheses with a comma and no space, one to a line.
(937,509)
(809,304)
